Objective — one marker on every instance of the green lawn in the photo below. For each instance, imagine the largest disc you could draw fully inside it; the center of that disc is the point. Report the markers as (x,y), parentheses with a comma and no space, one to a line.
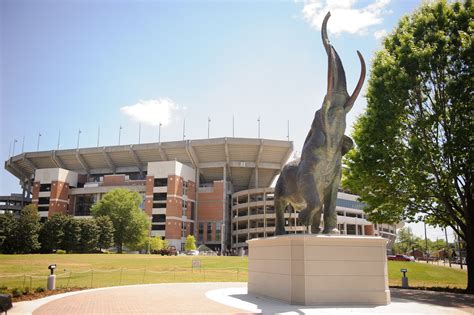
(100,270)
(426,275)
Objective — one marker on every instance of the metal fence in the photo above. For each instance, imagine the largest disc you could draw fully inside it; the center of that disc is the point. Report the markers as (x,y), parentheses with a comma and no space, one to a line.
(96,278)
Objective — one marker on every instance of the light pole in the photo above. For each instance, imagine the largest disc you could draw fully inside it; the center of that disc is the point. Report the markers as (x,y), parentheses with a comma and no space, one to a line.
(59,138)
(258,120)
(38,144)
(23,145)
(233,125)
(78,137)
(184,128)
(98,135)
(159,133)
(208,126)
(288,130)
(120,131)
(426,244)
(139,132)
(14,142)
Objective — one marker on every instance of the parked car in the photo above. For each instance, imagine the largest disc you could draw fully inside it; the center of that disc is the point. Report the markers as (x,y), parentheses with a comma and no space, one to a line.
(192,252)
(399,257)
(168,251)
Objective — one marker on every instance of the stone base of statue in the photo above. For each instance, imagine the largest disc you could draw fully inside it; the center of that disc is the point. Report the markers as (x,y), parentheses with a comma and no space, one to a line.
(303,269)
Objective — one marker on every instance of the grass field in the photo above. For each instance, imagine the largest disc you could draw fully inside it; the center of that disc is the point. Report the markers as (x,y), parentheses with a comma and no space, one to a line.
(101,270)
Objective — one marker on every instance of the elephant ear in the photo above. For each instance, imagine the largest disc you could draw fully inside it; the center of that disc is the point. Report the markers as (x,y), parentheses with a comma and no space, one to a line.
(347,144)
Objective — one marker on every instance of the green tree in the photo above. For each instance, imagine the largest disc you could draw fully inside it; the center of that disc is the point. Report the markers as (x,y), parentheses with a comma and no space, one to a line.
(405,241)
(8,227)
(27,232)
(413,159)
(190,243)
(150,245)
(130,223)
(52,233)
(89,235)
(72,234)
(106,232)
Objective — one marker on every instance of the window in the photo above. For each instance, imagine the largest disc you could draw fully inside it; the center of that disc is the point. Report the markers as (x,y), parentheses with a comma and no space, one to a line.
(184,208)
(158,218)
(45,187)
(185,188)
(183,229)
(43,201)
(351,229)
(209,231)
(84,204)
(218,231)
(192,211)
(160,227)
(161,182)
(201,232)
(350,204)
(159,197)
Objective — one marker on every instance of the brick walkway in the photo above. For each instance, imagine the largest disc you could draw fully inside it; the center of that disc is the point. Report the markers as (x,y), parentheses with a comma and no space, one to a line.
(226,298)
(149,299)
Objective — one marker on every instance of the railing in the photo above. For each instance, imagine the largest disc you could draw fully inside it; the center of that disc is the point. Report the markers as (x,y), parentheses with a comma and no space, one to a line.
(96,278)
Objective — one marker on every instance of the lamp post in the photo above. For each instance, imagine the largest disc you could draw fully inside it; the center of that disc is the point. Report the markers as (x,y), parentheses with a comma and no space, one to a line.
(38,144)
(288,130)
(208,126)
(159,133)
(59,138)
(139,132)
(14,142)
(258,120)
(120,131)
(233,134)
(184,128)
(23,145)
(98,135)
(78,138)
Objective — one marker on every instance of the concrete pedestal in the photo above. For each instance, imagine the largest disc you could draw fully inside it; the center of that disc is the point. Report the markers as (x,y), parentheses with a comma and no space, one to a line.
(320,269)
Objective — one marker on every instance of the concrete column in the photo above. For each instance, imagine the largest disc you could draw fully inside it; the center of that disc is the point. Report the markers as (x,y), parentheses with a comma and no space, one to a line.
(196,201)
(256,177)
(224,201)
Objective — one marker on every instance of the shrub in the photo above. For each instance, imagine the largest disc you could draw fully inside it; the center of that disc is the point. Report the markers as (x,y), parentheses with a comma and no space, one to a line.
(16,292)
(26,291)
(39,289)
(3,289)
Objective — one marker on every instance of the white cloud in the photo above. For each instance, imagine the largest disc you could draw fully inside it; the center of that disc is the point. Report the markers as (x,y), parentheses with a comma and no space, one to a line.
(152,112)
(380,34)
(345,16)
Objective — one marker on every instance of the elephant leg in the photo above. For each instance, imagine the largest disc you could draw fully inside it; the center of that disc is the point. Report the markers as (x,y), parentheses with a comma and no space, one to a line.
(316,221)
(330,214)
(311,196)
(279,216)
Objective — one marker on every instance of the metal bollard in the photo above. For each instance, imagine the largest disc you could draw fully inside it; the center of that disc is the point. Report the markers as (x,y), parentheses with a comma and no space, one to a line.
(51,282)
(404,279)
(52,277)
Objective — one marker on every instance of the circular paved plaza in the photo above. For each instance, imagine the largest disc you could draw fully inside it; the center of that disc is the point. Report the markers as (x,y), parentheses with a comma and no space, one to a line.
(226,298)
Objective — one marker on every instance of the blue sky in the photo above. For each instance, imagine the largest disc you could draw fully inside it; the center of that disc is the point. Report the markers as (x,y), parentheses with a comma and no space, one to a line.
(70,65)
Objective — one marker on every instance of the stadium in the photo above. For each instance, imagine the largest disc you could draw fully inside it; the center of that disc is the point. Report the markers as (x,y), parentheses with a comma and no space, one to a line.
(216,189)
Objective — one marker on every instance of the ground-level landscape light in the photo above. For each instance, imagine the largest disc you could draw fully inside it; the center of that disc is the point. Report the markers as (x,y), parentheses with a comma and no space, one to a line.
(404,278)
(52,277)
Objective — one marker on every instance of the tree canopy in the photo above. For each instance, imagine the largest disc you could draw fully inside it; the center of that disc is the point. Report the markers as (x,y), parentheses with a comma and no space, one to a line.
(27,232)
(190,243)
(413,160)
(130,223)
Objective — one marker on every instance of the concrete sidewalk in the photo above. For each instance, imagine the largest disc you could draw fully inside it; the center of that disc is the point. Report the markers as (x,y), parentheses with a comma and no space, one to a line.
(226,298)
